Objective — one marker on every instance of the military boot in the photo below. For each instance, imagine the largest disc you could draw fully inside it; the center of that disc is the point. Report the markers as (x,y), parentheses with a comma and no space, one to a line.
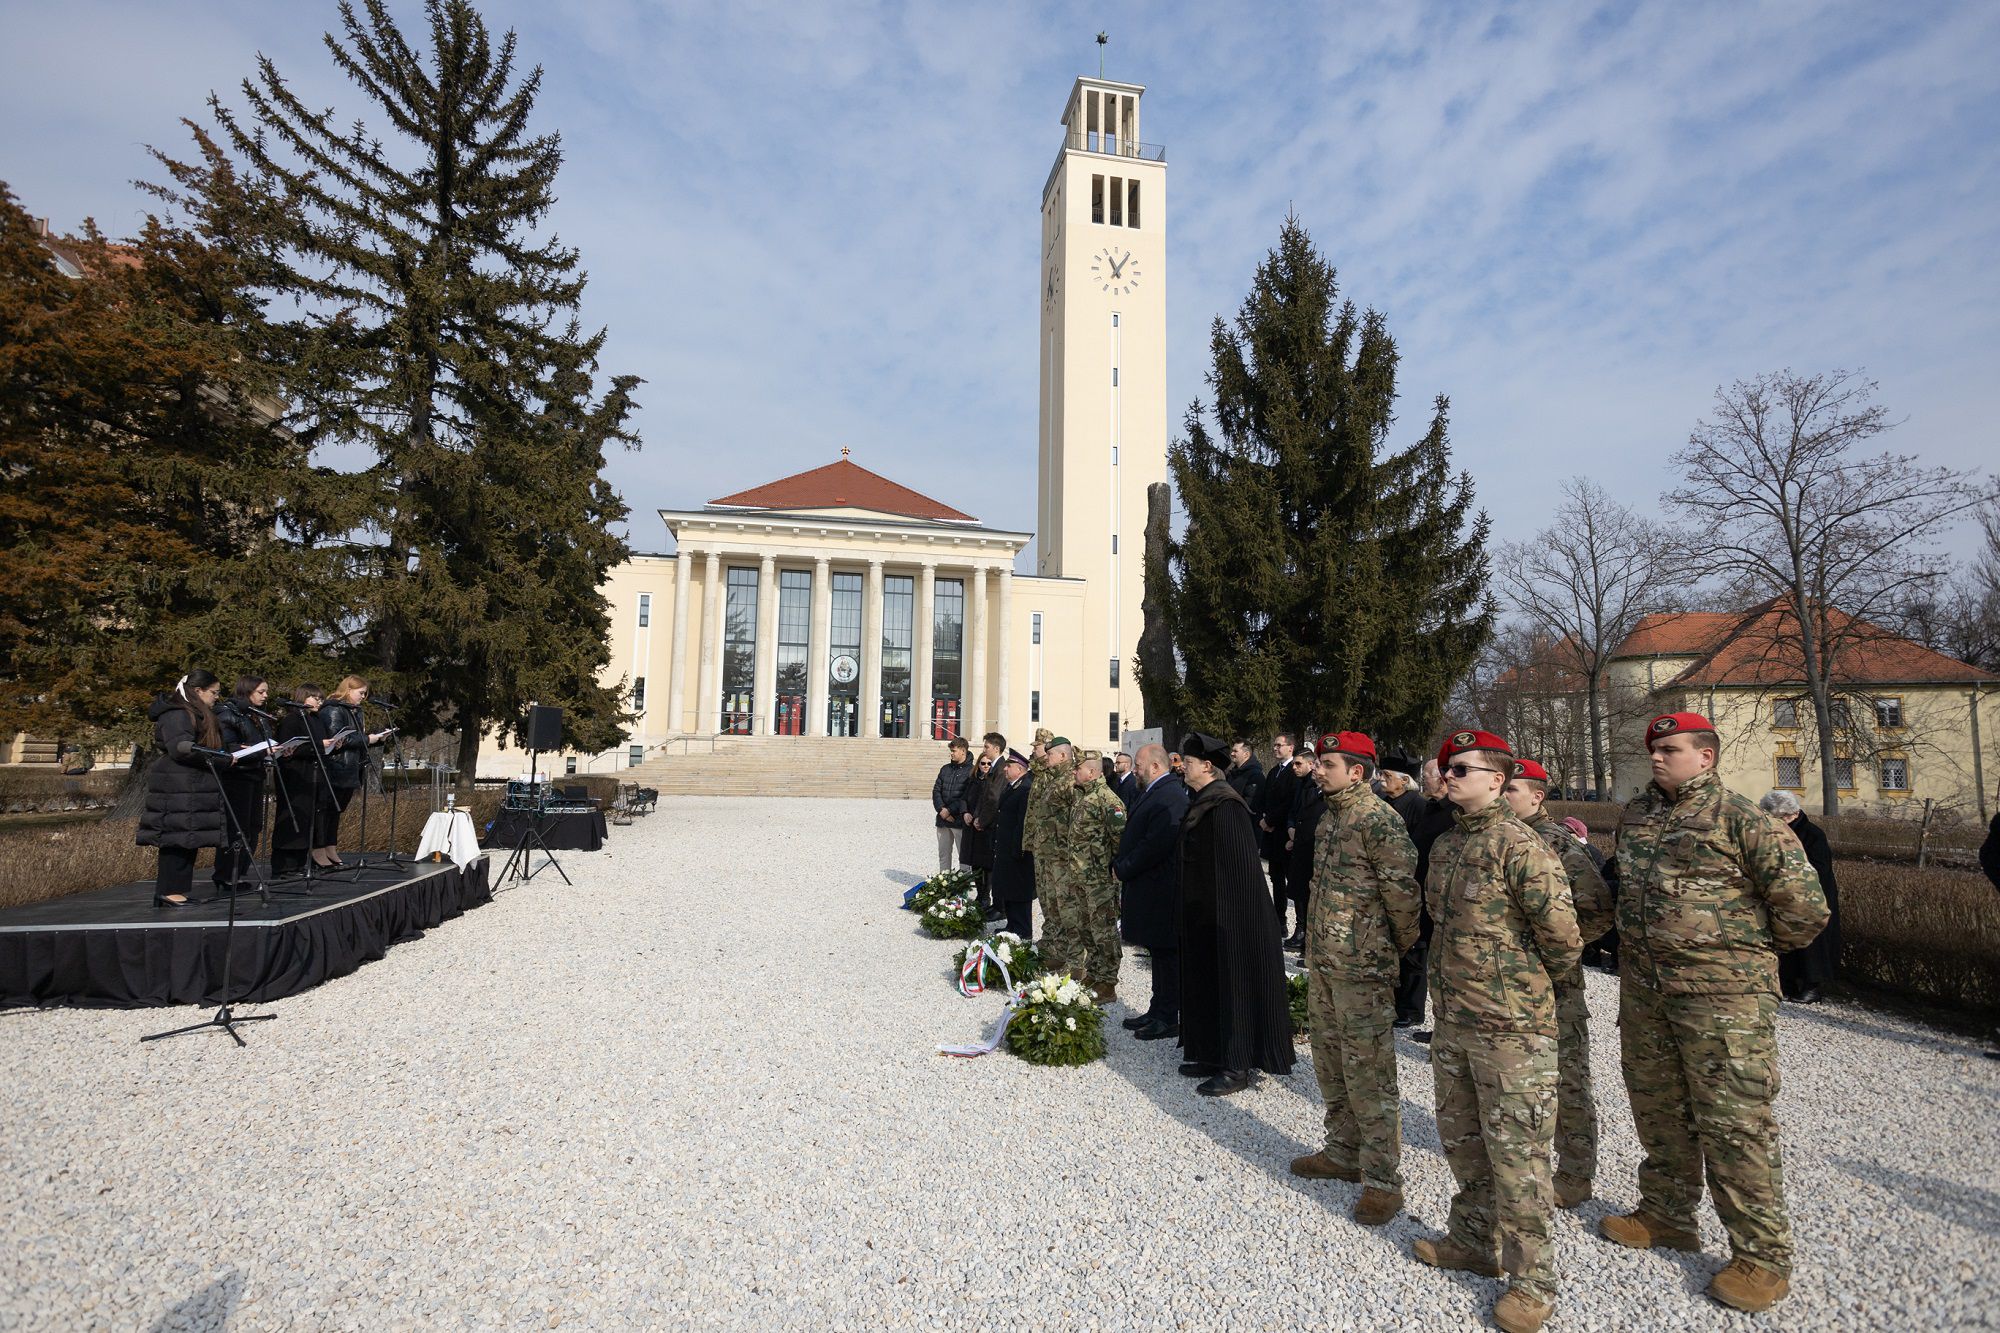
(1375,1207)
(1445,1252)
(1571,1191)
(1749,1287)
(1640,1232)
(1104,994)
(1318,1166)
(1518,1312)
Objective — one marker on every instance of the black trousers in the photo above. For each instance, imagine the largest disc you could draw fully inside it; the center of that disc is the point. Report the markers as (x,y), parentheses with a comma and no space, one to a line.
(1166,1003)
(176,874)
(333,803)
(1276,867)
(1410,982)
(246,803)
(1021,918)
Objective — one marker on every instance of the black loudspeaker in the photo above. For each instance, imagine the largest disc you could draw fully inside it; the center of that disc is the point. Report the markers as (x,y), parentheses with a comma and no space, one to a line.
(544,728)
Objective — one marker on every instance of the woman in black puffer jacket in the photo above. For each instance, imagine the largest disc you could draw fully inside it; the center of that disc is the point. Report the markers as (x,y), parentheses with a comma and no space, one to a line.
(183,804)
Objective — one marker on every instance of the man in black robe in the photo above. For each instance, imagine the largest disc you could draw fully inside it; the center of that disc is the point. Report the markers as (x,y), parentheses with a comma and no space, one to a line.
(1235,1015)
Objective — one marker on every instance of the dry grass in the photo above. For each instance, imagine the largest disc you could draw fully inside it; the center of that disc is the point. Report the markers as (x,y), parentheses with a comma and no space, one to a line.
(23,783)
(38,865)
(1953,840)
(1933,934)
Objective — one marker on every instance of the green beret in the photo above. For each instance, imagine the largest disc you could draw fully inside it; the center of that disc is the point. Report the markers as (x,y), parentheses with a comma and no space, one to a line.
(1059,740)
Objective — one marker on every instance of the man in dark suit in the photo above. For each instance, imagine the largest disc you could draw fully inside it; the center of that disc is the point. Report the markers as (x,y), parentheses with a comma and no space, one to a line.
(1273,809)
(1147,866)
(1245,773)
(1124,781)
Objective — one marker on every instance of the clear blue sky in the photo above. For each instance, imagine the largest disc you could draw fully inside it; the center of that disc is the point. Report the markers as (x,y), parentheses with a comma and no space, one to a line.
(812,225)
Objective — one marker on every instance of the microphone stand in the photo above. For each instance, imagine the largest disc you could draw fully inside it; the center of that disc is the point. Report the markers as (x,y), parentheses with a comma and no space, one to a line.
(325,784)
(391,862)
(239,851)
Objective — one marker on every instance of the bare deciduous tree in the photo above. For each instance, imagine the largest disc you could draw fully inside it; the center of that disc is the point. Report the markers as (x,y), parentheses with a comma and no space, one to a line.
(1781,501)
(1583,582)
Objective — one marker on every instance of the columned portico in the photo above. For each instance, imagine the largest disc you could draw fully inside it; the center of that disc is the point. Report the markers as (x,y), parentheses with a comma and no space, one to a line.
(816,653)
(677,669)
(920,695)
(765,673)
(708,703)
(975,719)
(871,652)
(1003,721)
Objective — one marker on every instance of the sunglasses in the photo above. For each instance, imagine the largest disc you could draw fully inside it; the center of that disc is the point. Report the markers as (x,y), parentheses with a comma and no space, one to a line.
(1465,770)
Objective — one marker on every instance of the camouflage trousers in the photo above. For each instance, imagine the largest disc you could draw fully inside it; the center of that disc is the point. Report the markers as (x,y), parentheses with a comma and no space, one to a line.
(1059,945)
(1576,1103)
(1354,1055)
(1702,1071)
(1496,1117)
(1097,932)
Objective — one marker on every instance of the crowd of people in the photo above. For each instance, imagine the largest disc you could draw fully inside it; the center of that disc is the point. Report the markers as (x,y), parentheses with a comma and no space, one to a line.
(1450,883)
(203,790)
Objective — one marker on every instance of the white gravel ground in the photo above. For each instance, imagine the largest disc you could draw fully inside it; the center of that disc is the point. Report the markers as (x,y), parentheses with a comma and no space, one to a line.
(700,1087)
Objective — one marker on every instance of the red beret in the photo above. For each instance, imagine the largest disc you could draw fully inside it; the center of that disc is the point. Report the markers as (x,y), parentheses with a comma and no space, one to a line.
(1471,740)
(1353,744)
(1528,768)
(1668,723)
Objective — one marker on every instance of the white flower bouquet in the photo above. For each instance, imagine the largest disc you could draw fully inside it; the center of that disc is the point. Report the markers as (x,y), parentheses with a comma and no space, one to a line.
(1056,1023)
(945,884)
(954,919)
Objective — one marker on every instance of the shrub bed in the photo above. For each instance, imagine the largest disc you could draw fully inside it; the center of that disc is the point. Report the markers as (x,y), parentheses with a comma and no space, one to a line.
(1932,934)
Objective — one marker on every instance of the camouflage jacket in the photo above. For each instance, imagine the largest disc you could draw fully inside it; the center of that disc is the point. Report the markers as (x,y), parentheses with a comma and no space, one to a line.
(1710,888)
(1596,912)
(1051,788)
(1504,924)
(1082,847)
(1362,913)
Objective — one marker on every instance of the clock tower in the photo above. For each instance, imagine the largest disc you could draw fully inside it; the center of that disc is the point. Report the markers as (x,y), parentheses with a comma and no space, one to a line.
(1103,377)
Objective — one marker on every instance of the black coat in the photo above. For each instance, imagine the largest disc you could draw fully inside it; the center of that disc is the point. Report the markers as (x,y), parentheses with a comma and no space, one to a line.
(1148,866)
(1437,817)
(1127,788)
(1411,805)
(1234,1008)
(1307,806)
(241,728)
(349,760)
(1989,852)
(948,793)
(1248,780)
(975,845)
(183,804)
(1013,869)
(299,781)
(1273,806)
(1819,961)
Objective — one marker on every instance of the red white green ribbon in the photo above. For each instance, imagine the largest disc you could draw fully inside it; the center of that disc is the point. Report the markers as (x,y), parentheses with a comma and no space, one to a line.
(972,973)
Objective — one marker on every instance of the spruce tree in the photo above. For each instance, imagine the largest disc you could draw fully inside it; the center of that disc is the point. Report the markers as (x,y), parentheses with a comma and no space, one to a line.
(1324,578)
(431,322)
(147,477)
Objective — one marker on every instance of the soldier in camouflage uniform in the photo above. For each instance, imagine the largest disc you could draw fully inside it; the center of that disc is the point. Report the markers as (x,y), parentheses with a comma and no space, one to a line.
(1710,889)
(1051,788)
(1088,841)
(1361,916)
(1504,927)
(1576,1105)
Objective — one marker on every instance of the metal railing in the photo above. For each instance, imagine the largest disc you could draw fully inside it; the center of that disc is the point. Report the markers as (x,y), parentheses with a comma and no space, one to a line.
(1109,145)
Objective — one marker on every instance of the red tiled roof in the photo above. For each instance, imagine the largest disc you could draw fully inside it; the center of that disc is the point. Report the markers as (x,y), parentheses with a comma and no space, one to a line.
(843,485)
(1760,646)
(1553,667)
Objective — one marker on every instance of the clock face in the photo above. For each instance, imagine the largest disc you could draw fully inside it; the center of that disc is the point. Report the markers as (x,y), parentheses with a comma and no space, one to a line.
(1115,271)
(1050,286)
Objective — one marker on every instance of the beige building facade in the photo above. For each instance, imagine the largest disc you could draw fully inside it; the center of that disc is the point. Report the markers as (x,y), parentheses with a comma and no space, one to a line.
(837,602)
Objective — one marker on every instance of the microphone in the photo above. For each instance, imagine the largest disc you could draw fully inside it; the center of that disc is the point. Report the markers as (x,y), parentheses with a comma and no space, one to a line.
(255,711)
(292,703)
(379,704)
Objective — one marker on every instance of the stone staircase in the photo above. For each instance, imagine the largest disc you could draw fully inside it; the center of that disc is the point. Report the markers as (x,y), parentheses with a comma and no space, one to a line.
(793,766)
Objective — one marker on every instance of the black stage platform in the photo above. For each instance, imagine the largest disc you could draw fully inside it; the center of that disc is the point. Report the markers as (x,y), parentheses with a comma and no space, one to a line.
(111,948)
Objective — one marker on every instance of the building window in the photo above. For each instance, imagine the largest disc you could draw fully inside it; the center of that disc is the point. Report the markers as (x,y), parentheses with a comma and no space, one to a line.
(899,625)
(1791,772)
(843,657)
(794,645)
(1114,673)
(1097,198)
(569,764)
(1843,716)
(947,657)
(1785,713)
(1114,319)
(645,609)
(1843,774)
(1114,727)
(1895,775)
(1117,202)
(739,649)
(1034,705)
(1888,713)
(1035,627)
(635,756)
(1114,543)
(639,694)
(1114,377)
(1132,203)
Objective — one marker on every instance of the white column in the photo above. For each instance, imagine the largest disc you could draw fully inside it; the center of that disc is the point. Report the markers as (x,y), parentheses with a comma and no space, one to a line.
(819,652)
(677,672)
(871,652)
(708,697)
(973,720)
(764,676)
(1003,716)
(921,679)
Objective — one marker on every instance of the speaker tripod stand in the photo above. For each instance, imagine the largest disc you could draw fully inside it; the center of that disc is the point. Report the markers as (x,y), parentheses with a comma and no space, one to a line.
(531,840)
